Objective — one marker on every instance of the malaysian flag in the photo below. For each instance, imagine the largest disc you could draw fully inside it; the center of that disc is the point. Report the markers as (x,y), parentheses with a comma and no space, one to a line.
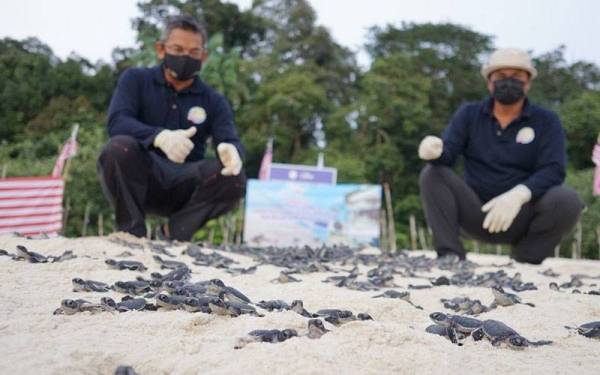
(33,205)
(596,160)
(265,164)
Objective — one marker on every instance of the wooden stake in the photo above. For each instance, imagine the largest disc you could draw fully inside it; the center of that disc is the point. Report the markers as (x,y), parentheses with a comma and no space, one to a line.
(557,251)
(86,219)
(476,247)
(148,230)
(383,240)
(498,249)
(67,210)
(240,228)
(422,239)
(578,238)
(390,217)
(100,225)
(413,231)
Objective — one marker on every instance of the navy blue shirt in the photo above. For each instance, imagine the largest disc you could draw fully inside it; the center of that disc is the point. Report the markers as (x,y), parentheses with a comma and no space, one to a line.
(530,151)
(144,104)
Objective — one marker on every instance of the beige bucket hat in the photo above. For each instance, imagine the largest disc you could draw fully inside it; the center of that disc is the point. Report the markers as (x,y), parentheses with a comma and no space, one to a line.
(509,58)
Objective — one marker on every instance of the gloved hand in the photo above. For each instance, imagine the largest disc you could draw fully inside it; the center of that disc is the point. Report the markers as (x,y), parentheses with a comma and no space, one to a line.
(230,158)
(431,148)
(503,209)
(175,144)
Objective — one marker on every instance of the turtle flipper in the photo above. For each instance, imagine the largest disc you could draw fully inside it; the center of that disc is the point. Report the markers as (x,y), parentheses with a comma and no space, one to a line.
(478,334)
(540,343)
(529,304)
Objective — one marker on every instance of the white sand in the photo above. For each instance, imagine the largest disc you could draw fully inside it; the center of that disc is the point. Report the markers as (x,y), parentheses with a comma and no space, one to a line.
(32,340)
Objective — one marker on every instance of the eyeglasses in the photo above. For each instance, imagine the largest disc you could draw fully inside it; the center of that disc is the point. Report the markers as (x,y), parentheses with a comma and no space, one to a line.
(178,50)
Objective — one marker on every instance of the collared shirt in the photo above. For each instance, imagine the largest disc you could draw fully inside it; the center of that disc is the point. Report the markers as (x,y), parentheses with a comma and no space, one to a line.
(529,151)
(144,104)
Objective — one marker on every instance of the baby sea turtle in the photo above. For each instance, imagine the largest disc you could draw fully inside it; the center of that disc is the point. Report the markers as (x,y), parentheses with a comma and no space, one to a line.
(591,329)
(503,298)
(132,304)
(231,308)
(285,278)
(218,287)
(80,285)
(447,332)
(458,326)
(298,307)
(125,370)
(498,333)
(241,271)
(198,304)
(316,329)
(335,316)
(70,307)
(169,264)
(278,305)
(405,296)
(132,265)
(179,274)
(132,287)
(266,335)
(30,256)
(170,302)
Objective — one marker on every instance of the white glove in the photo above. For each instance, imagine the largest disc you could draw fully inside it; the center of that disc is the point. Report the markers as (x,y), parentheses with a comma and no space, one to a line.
(175,144)
(230,158)
(431,147)
(503,209)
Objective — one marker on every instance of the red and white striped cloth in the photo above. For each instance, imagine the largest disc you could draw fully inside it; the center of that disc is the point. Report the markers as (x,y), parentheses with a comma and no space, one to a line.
(31,205)
(596,160)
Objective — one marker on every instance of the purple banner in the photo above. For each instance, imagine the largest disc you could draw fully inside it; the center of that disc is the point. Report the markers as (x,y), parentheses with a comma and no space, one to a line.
(302,173)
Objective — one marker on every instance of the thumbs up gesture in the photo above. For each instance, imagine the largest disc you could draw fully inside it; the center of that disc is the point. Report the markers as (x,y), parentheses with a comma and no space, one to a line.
(176,144)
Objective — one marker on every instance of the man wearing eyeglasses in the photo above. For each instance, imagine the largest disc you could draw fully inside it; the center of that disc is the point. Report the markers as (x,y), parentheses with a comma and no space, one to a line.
(159,120)
(514,161)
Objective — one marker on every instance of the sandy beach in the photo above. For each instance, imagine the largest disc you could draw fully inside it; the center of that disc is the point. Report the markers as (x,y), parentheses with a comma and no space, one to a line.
(33,340)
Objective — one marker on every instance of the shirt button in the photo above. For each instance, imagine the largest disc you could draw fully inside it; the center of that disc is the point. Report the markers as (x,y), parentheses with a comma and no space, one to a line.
(499,133)
(174,106)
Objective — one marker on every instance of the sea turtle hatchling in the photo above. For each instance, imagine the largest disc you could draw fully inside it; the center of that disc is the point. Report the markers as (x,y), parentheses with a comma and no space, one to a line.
(316,329)
(132,304)
(591,329)
(70,307)
(80,285)
(169,264)
(266,335)
(285,278)
(170,302)
(457,325)
(297,306)
(498,333)
(231,308)
(132,265)
(198,304)
(447,332)
(502,298)
(30,256)
(271,305)
(132,287)
(405,296)
(218,287)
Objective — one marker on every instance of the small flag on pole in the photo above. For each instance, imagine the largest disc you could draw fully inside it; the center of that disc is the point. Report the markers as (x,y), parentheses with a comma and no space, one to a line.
(69,150)
(265,165)
(596,160)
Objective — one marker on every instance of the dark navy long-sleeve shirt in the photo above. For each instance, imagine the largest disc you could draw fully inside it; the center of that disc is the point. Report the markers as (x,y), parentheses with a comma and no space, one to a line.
(530,151)
(144,104)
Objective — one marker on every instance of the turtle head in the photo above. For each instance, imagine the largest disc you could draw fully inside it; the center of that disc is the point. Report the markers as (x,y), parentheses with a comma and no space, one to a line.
(217,282)
(364,316)
(297,304)
(439,318)
(108,301)
(517,342)
(163,298)
(155,284)
(69,303)
(316,323)
(111,262)
(78,281)
(287,333)
(497,288)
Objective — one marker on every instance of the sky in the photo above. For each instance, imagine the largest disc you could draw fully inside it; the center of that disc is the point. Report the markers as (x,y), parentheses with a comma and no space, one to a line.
(92,28)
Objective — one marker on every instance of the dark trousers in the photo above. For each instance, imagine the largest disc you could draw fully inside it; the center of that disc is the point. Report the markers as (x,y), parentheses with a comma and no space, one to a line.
(138,182)
(452,207)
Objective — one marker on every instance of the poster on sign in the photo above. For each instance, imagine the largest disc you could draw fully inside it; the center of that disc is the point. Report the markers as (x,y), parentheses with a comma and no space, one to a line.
(283,213)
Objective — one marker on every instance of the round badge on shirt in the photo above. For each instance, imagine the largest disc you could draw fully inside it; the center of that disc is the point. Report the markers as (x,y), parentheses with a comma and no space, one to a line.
(525,135)
(197,115)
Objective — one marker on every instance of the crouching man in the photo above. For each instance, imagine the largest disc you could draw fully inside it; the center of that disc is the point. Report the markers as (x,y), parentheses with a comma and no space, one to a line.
(158,122)
(514,161)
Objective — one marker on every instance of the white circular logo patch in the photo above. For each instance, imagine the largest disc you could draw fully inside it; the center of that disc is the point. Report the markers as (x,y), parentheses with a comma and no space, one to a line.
(525,135)
(197,115)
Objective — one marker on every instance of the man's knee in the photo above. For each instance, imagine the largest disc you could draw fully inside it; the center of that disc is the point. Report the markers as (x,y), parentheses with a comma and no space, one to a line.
(118,149)
(562,202)
(234,187)
(431,174)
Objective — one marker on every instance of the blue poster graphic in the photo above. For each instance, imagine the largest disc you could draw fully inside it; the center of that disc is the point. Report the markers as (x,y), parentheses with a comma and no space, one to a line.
(280,213)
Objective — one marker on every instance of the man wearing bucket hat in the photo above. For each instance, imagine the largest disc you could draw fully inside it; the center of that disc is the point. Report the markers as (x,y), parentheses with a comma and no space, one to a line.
(514,162)
(159,121)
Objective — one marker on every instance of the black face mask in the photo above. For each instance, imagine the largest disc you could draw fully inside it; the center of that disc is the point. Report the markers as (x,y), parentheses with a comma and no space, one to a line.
(182,67)
(508,90)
